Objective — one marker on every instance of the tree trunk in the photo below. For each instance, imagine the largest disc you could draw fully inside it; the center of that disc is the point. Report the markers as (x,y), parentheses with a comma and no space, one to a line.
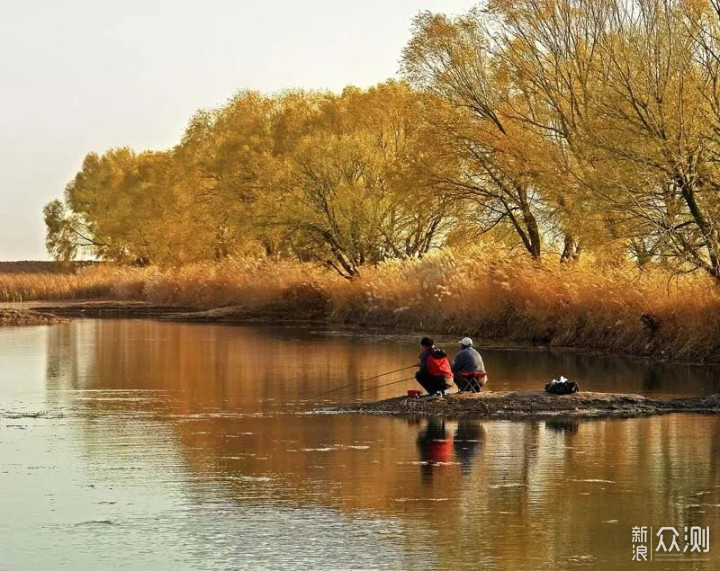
(571,250)
(532,231)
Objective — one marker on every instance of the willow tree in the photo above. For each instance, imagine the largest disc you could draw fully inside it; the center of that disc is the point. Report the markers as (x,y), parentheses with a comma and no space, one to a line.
(66,232)
(491,158)
(417,216)
(549,52)
(655,133)
(346,190)
(221,163)
(113,208)
(631,88)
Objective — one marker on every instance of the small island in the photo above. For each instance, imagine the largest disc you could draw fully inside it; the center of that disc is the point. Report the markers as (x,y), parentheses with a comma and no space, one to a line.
(523,405)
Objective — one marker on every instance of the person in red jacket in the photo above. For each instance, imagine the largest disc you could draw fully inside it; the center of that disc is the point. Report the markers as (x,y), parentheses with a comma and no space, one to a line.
(435,375)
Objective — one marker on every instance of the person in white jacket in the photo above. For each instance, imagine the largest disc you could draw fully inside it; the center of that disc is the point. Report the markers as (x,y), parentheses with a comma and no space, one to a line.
(468,368)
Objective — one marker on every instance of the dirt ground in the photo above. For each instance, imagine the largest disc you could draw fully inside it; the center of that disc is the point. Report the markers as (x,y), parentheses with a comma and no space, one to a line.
(508,405)
(9,317)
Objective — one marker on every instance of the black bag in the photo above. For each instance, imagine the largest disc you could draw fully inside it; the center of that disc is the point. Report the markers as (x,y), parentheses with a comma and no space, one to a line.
(561,387)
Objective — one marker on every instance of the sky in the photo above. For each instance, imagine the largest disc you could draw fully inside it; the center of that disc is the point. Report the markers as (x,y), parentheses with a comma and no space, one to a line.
(80,76)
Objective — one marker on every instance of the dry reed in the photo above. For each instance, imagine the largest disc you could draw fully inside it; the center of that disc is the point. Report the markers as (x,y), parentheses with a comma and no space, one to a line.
(95,282)
(478,292)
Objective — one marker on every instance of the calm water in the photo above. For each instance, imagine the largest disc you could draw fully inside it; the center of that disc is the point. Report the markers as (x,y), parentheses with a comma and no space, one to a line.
(146,445)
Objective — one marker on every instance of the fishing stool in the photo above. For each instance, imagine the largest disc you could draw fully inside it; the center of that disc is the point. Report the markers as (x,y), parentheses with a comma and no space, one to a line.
(473,380)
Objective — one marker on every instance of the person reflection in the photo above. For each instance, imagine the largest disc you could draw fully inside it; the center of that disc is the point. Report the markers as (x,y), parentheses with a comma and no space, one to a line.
(563,425)
(434,444)
(468,443)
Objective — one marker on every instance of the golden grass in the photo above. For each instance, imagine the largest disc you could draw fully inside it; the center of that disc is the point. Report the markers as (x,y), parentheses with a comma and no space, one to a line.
(478,292)
(88,283)
(247,282)
(488,296)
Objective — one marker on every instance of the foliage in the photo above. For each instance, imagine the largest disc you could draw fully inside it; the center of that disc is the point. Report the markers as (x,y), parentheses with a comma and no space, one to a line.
(304,175)
(553,127)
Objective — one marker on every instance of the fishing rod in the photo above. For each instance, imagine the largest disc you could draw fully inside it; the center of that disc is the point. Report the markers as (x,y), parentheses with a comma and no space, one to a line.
(388,384)
(363,381)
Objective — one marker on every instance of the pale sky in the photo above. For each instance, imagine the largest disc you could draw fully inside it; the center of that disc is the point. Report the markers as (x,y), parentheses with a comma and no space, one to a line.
(86,75)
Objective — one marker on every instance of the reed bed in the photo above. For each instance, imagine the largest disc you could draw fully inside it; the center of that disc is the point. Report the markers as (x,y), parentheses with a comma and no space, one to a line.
(616,310)
(477,292)
(94,282)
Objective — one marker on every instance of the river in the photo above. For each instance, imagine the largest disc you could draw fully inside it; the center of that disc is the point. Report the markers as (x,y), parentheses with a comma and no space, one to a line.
(136,444)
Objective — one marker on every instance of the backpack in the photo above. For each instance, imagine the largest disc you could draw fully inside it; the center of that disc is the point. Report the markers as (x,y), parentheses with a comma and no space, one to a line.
(438,364)
(562,387)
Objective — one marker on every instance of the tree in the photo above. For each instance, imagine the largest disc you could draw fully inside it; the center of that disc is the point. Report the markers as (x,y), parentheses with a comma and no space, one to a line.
(487,153)
(220,166)
(116,205)
(630,89)
(66,234)
(346,191)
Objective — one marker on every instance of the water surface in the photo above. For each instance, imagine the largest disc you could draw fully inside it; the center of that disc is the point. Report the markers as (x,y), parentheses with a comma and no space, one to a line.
(135,444)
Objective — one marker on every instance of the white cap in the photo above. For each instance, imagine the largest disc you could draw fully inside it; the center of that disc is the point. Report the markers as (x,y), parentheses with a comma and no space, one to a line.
(466,341)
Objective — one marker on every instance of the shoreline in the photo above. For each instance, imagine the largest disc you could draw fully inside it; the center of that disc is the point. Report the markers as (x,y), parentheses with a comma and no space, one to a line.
(10,317)
(503,298)
(242,315)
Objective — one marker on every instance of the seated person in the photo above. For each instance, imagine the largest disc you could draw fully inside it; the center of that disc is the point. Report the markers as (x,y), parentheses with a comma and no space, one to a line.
(435,375)
(468,368)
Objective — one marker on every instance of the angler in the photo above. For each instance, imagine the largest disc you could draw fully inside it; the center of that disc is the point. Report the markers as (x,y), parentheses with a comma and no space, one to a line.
(468,368)
(435,375)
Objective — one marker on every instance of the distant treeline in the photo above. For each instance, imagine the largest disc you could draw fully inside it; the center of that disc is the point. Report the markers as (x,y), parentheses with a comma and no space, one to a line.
(557,128)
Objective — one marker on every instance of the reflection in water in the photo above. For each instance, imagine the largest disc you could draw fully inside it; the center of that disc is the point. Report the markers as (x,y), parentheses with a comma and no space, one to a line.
(469,440)
(183,446)
(563,425)
(434,444)
(307,363)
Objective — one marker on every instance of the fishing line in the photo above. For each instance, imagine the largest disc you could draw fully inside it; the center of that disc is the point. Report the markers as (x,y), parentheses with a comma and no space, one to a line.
(364,380)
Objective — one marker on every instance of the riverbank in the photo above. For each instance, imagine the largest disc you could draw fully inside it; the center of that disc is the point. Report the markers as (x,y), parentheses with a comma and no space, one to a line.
(114,309)
(478,293)
(517,405)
